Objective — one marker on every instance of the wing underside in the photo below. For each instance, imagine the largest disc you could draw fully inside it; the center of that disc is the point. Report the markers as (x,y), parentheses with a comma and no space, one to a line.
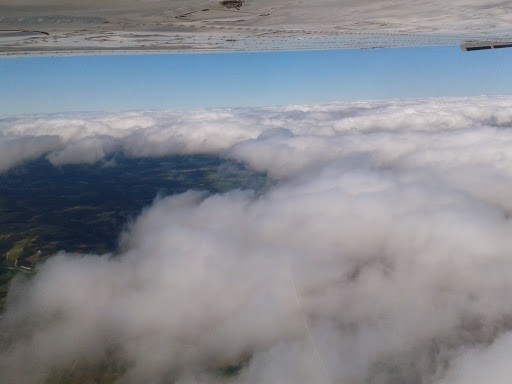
(35,27)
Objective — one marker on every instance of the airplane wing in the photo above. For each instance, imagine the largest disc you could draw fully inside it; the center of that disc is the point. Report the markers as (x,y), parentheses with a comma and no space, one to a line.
(54,27)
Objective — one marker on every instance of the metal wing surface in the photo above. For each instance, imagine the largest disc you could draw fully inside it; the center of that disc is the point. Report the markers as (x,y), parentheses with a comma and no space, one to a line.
(54,27)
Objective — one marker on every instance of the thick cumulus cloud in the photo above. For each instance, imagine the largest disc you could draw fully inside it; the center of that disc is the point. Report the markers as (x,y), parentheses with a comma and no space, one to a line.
(88,138)
(14,150)
(300,136)
(382,253)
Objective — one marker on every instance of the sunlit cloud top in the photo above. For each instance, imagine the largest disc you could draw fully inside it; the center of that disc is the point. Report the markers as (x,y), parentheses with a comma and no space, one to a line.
(381,252)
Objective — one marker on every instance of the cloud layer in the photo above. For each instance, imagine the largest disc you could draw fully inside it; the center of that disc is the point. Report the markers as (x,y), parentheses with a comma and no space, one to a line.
(381,255)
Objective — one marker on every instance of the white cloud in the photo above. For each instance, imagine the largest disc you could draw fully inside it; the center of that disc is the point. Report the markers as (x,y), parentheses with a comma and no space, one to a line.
(381,255)
(391,130)
(14,150)
(88,150)
(482,363)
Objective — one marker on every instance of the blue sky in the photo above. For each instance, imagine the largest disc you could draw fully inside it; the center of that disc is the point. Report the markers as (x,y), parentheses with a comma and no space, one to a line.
(110,83)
